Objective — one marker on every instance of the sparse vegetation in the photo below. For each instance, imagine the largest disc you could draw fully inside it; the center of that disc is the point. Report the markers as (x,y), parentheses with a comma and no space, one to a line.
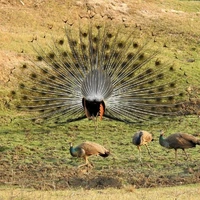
(128,193)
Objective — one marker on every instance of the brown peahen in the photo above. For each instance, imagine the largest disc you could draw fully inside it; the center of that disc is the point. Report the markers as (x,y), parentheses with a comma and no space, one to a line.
(179,141)
(100,70)
(86,149)
(142,138)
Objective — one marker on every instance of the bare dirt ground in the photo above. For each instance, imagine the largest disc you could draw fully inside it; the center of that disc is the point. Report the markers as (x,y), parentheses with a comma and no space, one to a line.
(56,177)
(24,20)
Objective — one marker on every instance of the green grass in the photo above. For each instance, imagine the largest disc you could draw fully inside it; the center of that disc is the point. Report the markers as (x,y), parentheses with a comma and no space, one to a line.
(41,153)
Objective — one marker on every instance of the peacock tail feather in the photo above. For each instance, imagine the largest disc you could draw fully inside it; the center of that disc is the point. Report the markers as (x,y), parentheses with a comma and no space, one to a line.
(101,70)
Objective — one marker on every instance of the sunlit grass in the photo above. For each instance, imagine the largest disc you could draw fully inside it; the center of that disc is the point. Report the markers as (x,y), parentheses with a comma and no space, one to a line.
(189,192)
(27,149)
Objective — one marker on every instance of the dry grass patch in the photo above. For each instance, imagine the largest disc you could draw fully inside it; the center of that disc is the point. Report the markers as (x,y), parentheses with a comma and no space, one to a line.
(180,192)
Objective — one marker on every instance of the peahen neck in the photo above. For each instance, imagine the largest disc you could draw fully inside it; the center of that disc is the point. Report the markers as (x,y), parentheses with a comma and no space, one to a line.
(73,151)
(163,141)
(138,140)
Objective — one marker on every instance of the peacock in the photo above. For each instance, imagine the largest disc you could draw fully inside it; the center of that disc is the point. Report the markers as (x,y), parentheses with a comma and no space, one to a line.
(99,70)
(179,141)
(142,138)
(86,149)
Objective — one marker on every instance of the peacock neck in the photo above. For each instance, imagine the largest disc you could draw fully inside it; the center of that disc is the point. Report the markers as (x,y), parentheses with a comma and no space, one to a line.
(163,141)
(73,151)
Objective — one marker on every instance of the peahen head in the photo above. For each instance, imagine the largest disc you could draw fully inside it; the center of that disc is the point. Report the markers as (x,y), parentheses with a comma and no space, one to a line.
(163,141)
(71,149)
(161,133)
(161,138)
(71,144)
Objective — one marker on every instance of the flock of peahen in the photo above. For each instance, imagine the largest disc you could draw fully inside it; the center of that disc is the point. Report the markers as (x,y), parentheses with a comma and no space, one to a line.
(174,141)
(100,70)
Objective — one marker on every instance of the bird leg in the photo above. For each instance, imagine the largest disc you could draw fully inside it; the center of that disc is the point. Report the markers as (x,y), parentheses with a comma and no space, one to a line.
(185,154)
(139,151)
(87,163)
(148,150)
(176,156)
(82,165)
(94,119)
(90,165)
(96,123)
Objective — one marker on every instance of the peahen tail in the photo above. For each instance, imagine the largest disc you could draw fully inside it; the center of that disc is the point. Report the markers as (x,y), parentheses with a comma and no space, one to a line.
(100,70)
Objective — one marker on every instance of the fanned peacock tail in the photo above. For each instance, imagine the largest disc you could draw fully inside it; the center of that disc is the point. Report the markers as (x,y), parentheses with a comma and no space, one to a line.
(100,70)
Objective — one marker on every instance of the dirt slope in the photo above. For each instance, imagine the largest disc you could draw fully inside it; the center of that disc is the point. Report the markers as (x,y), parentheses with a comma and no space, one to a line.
(25,20)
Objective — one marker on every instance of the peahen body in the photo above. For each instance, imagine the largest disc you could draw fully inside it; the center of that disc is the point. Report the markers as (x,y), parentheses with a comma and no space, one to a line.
(179,141)
(142,138)
(99,70)
(86,149)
